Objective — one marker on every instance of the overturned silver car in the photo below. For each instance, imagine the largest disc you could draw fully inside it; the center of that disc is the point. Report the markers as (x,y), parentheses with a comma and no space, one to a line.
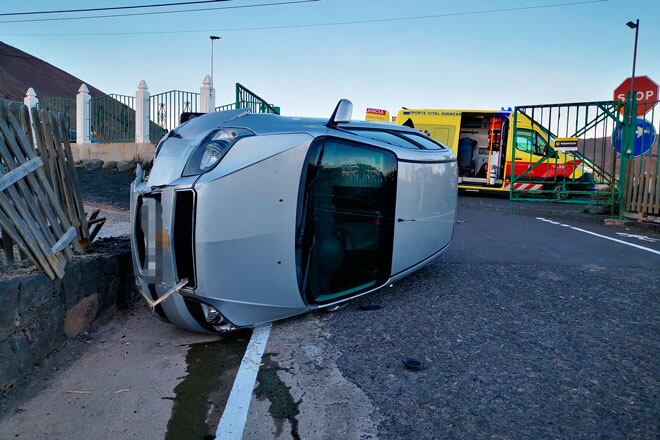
(247,218)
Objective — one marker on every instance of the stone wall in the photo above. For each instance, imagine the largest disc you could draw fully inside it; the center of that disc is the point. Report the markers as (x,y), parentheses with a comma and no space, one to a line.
(37,314)
(113,152)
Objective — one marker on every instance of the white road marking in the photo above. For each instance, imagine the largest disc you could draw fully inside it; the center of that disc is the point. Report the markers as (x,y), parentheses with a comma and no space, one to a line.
(653,251)
(232,422)
(638,237)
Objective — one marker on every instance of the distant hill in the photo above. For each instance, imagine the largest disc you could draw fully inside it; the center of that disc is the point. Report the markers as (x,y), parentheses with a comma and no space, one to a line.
(20,70)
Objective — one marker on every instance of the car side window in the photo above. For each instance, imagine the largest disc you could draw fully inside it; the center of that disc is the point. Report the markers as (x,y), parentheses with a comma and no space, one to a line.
(348,219)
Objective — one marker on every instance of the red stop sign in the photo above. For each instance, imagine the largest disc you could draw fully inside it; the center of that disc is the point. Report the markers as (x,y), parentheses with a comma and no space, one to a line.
(647,93)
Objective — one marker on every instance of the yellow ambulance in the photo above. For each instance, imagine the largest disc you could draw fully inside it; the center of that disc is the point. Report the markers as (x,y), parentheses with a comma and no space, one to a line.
(481,139)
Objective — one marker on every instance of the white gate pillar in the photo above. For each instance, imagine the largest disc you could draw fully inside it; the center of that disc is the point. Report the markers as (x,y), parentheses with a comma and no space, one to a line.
(82,115)
(30,98)
(142,113)
(31,101)
(207,96)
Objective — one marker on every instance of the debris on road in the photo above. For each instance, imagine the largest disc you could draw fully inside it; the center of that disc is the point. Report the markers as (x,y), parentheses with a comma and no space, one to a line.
(412,364)
(369,307)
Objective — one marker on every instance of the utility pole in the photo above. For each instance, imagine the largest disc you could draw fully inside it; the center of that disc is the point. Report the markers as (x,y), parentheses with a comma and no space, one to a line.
(213,38)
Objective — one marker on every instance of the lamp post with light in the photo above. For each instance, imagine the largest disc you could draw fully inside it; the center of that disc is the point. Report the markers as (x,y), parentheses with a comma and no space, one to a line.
(634,25)
(213,38)
(628,132)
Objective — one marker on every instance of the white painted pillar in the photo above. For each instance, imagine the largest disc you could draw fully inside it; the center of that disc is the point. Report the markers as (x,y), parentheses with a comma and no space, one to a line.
(142,113)
(31,101)
(82,115)
(30,98)
(207,96)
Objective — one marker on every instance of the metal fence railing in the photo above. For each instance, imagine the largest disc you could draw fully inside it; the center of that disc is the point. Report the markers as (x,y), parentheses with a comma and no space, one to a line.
(65,106)
(225,107)
(112,118)
(14,106)
(563,153)
(165,111)
(247,99)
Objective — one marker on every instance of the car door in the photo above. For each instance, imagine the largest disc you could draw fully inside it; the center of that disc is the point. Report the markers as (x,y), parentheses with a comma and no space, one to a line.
(347,219)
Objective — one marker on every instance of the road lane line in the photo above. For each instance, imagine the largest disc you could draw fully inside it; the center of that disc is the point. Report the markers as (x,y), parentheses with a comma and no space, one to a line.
(232,422)
(644,248)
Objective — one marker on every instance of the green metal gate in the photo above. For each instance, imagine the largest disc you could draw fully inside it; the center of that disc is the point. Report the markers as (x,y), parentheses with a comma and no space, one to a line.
(112,118)
(564,153)
(67,107)
(249,100)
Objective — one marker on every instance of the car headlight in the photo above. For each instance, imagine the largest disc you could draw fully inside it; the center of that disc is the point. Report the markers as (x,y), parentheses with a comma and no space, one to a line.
(212,149)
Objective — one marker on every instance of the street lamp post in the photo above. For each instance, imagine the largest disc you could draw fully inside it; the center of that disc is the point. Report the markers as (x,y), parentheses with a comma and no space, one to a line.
(630,112)
(213,38)
(634,25)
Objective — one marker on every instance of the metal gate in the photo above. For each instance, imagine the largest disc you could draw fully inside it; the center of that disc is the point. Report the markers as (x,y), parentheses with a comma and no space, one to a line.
(564,153)
(112,118)
(247,99)
(166,108)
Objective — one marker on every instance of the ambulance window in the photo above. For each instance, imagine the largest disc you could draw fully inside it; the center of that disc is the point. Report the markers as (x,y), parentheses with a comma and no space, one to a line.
(384,136)
(530,142)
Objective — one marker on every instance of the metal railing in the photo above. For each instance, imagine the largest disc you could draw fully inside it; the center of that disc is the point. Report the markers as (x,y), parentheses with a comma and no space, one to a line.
(165,111)
(112,118)
(14,106)
(65,106)
(226,107)
(563,153)
(247,99)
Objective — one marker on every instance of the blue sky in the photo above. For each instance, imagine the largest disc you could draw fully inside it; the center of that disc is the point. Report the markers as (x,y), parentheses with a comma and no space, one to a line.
(564,54)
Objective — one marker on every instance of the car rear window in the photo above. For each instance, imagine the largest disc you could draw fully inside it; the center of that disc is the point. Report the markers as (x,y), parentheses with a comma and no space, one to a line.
(403,139)
(426,142)
(387,137)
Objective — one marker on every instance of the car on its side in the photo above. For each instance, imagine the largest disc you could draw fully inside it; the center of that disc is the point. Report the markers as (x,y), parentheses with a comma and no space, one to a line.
(247,218)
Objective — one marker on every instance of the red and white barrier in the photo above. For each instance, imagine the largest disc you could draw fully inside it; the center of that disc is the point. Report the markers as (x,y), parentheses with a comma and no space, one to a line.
(525,186)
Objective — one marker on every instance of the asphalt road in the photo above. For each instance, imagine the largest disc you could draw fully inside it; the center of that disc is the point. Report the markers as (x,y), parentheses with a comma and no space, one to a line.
(525,329)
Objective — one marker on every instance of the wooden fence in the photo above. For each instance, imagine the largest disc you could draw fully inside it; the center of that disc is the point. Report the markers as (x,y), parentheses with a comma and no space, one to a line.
(42,218)
(642,189)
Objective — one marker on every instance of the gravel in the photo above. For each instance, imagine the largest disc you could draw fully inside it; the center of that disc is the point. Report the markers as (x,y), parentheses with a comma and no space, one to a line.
(106,187)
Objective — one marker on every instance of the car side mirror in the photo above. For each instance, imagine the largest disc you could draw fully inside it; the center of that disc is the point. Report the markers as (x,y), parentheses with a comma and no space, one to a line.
(342,114)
